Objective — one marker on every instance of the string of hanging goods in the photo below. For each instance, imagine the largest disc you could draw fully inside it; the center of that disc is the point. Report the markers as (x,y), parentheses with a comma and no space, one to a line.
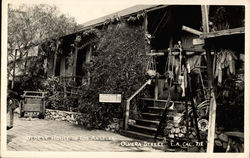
(169,68)
(182,79)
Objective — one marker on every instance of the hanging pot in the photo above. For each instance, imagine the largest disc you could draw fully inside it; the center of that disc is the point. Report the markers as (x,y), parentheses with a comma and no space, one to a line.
(151,73)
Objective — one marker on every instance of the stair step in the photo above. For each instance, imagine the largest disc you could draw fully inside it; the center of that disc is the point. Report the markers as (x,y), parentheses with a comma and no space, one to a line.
(143,129)
(148,123)
(161,103)
(149,113)
(153,102)
(151,116)
(156,109)
(152,99)
(138,135)
(161,100)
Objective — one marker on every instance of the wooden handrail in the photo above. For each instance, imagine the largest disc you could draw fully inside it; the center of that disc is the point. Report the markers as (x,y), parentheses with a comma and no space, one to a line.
(140,89)
(126,117)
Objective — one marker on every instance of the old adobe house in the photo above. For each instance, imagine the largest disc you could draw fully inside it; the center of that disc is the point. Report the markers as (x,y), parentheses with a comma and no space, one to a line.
(203,34)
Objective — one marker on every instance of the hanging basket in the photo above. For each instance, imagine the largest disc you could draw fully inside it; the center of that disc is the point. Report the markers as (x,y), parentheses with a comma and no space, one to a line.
(151,73)
(151,68)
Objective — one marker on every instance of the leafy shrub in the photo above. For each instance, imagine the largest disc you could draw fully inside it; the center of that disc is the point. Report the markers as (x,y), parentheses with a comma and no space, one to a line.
(56,97)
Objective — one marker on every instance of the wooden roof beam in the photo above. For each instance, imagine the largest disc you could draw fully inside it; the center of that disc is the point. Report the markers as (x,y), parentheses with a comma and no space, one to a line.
(191,30)
(238,30)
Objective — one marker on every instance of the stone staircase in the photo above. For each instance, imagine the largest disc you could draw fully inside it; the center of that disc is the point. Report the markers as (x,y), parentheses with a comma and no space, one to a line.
(145,128)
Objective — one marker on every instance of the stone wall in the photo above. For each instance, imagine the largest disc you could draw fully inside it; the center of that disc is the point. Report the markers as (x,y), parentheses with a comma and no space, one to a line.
(78,119)
(72,117)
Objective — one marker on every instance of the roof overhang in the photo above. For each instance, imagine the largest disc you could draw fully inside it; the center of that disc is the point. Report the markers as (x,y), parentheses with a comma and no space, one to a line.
(122,14)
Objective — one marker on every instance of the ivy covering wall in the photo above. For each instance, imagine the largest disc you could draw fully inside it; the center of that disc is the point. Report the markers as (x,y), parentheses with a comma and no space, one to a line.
(118,66)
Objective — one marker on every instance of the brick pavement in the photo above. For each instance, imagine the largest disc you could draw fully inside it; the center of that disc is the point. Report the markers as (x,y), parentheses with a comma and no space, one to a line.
(51,135)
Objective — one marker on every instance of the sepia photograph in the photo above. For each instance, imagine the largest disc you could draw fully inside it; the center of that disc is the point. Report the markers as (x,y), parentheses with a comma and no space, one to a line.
(82,76)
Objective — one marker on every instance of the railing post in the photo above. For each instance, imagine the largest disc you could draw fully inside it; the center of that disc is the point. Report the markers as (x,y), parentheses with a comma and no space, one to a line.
(156,87)
(126,114)
(127,106)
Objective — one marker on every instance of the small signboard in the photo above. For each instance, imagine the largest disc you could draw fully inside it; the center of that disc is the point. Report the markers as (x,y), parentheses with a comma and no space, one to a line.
(32,108)
(110,98)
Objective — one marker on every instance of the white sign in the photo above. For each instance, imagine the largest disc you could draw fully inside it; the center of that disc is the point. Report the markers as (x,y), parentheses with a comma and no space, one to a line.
(110,98)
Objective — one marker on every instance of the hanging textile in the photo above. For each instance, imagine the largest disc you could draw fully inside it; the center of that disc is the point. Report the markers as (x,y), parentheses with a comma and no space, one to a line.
(194,63)
(225,61)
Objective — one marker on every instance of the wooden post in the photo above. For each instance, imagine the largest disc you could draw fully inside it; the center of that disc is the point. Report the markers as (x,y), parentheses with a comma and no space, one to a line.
(54,65)
(195,115)
(212,107)
(212,119)
(14,70)
(205,14)
(75,61)
(126,118)
(147,45)
(64,83)
(145,23)
(88,57)
(71,61)
(25,64)
(11,117)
